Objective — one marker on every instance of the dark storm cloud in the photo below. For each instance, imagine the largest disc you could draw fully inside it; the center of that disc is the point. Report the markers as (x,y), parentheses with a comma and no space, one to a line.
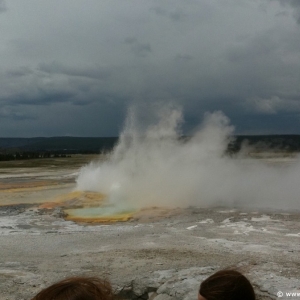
(3,6)
(139,49)
(95,119)
(183,57)
(42,98)
(26,86)
(52,83)
(58,68)
(15,115)
(174,14)
(159,11)
(192,13)
(294,4)
(269,124)
(19,72)
(238,56)
(178,15)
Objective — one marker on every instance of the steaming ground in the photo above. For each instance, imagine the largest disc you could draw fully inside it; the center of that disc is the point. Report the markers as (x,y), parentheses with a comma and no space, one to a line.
(165,251)
(154,166)
(230,212)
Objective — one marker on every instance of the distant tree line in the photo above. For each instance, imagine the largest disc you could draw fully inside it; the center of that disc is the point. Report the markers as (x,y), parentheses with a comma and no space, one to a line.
(20,155)
(10,149)
(30,155)
(34,148)
(260,143)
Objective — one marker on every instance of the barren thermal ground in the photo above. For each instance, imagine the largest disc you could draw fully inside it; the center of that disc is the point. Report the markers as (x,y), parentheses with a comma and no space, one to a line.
(50,229)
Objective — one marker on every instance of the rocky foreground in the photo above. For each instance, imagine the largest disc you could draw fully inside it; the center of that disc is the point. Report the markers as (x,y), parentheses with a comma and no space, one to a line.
(162,255)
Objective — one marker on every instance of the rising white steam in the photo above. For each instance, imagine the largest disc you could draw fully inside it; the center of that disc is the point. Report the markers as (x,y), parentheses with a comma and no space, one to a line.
(154,166)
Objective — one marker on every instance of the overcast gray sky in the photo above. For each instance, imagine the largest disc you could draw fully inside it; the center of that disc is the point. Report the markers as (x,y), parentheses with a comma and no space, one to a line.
(73,67)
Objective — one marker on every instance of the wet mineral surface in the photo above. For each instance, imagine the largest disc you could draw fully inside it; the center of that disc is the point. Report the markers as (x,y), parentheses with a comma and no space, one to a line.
(157,253)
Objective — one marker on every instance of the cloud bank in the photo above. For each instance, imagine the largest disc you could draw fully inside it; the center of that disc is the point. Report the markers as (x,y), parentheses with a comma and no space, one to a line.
(92,60)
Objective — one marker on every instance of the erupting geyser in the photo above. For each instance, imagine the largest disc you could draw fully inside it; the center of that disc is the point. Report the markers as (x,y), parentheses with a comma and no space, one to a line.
(154,166)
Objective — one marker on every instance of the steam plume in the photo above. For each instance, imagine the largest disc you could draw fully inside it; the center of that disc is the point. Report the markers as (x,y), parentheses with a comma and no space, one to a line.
(154,166)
